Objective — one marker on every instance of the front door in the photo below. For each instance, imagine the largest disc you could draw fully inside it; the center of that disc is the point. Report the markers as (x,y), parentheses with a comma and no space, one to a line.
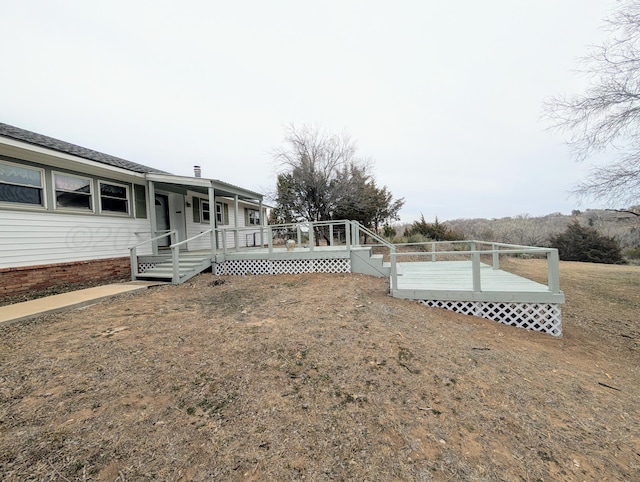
(162,218)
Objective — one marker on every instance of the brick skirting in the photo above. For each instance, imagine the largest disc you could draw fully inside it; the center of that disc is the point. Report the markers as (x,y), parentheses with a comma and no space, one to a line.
(20,280)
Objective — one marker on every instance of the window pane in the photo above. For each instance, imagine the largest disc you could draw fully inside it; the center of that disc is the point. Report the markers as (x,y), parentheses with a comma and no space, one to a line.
(205,212)
(73,200)
(76,184)
(141,201)
(114,205)
(20,194)
(113,191)
(20,175)
(114,198)
(219,213)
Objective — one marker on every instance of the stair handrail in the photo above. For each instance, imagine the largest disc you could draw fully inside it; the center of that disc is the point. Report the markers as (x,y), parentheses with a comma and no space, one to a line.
(175,255)
(392,249)
(133,251)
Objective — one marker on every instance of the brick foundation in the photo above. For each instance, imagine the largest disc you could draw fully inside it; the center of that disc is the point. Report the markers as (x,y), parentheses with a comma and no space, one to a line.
(20,280)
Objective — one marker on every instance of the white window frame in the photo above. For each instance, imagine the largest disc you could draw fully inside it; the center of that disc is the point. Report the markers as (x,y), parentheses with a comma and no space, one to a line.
(203,210)
(43,182)
(128,199)
(75,210)
(220,214)
(255,218)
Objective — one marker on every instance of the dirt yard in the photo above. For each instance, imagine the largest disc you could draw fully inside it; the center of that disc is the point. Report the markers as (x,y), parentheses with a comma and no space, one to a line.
(323,377)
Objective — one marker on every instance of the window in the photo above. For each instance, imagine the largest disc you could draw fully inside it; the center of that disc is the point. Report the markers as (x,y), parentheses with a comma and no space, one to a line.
(73,192)
(140,193)
(252,217)
(206,214)
(202,212)
(21,185)
(222,213)
(114,198)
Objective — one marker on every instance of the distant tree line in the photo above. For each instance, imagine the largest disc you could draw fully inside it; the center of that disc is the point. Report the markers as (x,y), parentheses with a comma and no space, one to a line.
(591,235)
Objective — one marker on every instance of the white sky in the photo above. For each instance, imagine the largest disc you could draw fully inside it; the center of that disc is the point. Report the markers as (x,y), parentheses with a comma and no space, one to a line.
(444,96)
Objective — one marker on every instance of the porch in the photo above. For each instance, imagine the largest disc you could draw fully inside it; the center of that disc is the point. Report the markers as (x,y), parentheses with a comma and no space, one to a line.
(462,276)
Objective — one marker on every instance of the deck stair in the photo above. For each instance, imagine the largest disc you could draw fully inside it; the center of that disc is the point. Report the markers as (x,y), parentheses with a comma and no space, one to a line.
(189,265)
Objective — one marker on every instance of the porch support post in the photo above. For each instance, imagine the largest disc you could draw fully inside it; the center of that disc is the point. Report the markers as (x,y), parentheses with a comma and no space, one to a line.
(262,220)
(152,216)
(212,219)
(235,231)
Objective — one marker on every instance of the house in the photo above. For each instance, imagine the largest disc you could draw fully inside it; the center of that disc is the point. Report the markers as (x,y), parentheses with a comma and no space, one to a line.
(70,214)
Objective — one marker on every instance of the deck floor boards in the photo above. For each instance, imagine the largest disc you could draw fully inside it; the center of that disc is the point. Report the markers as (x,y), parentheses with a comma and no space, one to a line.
(454,280)
(457,275)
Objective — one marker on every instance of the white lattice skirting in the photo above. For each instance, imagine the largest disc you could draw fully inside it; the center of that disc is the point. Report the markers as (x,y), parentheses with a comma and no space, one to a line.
(288,266)
(546,318)
(142,267)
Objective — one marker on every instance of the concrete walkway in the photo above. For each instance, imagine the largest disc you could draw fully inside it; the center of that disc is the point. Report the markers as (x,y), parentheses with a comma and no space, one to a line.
(67,301)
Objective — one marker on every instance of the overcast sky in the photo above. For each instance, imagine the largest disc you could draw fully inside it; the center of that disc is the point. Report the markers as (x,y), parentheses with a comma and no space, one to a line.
(444,96)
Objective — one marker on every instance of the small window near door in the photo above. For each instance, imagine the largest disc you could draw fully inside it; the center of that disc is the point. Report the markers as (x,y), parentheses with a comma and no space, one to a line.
(73,192)
(114,198)
(140,194)
(196,209)
(21,185)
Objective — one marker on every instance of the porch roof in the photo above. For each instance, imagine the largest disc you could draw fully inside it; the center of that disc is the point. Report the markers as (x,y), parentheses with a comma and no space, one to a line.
(202,185)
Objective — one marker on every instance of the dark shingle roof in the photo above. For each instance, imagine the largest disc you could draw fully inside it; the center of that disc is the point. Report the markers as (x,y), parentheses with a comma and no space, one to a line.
(61,146)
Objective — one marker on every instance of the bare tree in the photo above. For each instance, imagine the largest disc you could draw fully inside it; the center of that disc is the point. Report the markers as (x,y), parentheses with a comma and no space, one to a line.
(311,162)
(606,117)
(321,179)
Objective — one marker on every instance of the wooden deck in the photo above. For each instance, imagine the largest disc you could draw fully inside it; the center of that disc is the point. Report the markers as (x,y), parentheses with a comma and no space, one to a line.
(453,281)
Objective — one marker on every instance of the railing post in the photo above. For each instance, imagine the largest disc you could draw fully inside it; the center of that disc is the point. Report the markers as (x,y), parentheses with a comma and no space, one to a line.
(236,239)
(223,234)
(134,264)
(299,233)
(496,256)
(394,270)
(331,234)
(347,235)
(175,260)
(433,252)
(475,267)
(312,240)
(270,239)
(553,270)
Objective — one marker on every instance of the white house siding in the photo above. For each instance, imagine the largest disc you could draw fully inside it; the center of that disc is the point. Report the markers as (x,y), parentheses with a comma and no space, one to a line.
(38,238)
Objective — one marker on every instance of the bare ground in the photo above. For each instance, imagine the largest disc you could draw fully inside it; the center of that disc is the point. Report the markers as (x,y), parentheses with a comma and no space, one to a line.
(323,377)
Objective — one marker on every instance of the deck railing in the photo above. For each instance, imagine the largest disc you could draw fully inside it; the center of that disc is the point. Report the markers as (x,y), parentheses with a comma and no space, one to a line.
(474,249)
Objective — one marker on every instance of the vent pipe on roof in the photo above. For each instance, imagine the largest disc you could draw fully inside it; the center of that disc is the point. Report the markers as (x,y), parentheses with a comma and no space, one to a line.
(197,171)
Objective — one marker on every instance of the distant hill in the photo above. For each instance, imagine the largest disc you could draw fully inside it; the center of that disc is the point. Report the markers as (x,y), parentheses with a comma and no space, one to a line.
(535,231)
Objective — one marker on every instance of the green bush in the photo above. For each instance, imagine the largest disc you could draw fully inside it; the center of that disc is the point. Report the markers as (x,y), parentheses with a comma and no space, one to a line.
(580,243)
(632,253)
(435,231)
(389,231)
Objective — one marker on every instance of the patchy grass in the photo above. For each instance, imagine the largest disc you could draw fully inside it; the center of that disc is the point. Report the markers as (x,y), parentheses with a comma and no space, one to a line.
(323,377)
